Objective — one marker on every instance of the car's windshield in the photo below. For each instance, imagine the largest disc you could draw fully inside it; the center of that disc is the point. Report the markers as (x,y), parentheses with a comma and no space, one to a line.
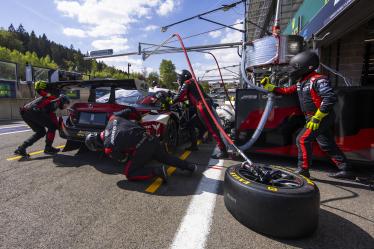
(123,96)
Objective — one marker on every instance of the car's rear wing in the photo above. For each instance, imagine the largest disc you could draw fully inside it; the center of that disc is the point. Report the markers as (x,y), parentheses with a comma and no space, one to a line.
(127,84)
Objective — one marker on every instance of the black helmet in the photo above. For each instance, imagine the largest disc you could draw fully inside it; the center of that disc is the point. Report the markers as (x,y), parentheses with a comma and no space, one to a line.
(63,100)
(183,76)
(93,142)
(302,64)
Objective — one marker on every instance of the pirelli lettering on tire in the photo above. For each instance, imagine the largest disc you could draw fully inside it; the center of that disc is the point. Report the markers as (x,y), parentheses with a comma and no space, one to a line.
(271,188)
(239,178)
(308,180)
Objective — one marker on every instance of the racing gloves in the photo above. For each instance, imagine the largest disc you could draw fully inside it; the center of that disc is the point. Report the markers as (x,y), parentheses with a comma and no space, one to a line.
(314,122)
(265,82)
(40,85)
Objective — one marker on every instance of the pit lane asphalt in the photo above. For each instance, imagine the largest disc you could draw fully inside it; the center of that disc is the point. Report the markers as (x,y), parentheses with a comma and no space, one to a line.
(84,201)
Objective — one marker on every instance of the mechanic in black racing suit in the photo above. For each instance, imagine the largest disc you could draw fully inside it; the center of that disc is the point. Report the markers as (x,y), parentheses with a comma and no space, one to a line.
(317,99)
(125,140)
(40,114)
(188,91)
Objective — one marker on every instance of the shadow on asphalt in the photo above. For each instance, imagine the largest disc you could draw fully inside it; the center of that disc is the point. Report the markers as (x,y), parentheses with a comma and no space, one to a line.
(178,188)
(334,232)
(100,163)
(34,158)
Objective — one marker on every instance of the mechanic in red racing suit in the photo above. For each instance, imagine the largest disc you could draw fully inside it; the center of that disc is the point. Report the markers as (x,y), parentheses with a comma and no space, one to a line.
(40,114)
(125,140)
(188,91)
(317,99)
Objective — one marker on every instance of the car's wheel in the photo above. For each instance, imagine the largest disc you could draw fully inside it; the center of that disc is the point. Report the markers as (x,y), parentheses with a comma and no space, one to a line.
(171,135)
(286,208)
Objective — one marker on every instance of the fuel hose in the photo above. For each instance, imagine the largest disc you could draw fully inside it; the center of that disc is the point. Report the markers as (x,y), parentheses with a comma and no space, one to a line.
(268,107)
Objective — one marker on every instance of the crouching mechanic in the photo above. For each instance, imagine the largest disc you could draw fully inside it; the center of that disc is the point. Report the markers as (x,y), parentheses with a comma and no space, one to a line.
(40,114)
(125,140)
(188,91)
(317,99)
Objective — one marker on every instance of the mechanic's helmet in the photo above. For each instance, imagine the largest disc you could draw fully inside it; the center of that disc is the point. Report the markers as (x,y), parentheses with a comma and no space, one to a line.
(183,76)
(302,64)
(93,142)
(64,101)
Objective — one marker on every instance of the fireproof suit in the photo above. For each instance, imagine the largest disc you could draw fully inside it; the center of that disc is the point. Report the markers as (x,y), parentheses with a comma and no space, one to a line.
(190,92)
(38,114)
(314,92)
(127,141)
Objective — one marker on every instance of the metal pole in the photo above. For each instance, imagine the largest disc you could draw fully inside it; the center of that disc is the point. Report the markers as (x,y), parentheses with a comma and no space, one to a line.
(277,13)
(128,70)
(245,21)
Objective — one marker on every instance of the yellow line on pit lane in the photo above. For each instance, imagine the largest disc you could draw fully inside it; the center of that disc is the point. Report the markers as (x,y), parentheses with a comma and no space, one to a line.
(157,183)
(32,153)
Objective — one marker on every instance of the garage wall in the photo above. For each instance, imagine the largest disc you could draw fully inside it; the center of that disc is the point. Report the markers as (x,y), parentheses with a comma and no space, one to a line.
(347,56)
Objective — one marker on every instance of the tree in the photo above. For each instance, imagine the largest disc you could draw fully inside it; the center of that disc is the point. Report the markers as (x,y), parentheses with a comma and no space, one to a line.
(21,29)
(33,45)
(19,46)
(205,86)
(11,28)
(9,40)
(153,77)
(167,74)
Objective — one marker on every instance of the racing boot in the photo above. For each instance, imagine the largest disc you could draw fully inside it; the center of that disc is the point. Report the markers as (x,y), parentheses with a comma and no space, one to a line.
(345,172)
(192,168)
(50,150)
(303,172)
(21,151)
(221,154)
(161,172)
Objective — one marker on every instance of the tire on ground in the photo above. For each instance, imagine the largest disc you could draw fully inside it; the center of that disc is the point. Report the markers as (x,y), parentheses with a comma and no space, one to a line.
(279,212)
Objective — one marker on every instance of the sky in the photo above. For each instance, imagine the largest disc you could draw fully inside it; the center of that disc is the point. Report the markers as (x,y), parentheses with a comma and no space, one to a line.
(121,24)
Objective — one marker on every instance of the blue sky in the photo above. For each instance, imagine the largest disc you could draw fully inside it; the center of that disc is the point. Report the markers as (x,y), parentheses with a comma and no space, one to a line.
(121,24)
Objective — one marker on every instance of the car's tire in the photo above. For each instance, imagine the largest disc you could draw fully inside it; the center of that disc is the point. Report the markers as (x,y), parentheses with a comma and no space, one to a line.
(170,139)
(283,212)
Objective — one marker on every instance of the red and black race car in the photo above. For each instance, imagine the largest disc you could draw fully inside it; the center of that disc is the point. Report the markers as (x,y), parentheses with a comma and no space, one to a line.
(107,96)
(353,129)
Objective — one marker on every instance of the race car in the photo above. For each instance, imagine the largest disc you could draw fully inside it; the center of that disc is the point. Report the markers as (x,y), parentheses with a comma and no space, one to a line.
(108,96)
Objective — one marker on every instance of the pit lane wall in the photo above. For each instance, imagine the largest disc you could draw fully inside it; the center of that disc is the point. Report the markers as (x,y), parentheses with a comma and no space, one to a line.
(13,96)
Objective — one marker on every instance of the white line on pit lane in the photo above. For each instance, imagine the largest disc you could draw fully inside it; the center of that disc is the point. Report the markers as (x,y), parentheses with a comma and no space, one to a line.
(12,126)
(7,133)
(195,227)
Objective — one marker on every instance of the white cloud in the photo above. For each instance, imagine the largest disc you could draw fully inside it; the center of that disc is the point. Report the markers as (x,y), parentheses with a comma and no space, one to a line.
(121,63)
(118,44)
(233,35)
(112,17)
(166,7)
(74,32)
(151,27)
(215,34)
(225,57)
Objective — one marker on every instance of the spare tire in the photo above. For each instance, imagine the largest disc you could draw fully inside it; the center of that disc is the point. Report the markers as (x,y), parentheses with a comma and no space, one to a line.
(286,209)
